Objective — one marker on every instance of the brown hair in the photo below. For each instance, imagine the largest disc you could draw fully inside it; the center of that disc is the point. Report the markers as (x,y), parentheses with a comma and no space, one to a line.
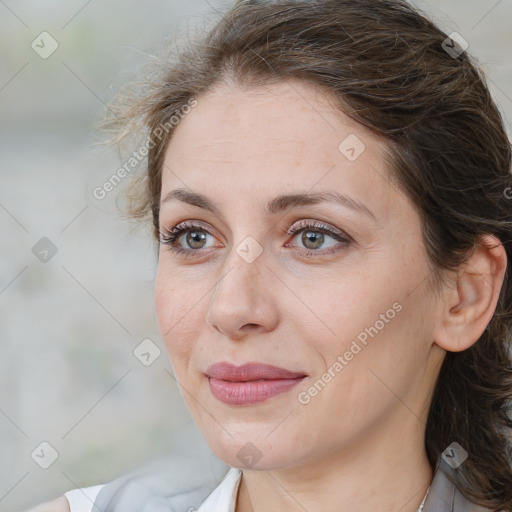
(390,69)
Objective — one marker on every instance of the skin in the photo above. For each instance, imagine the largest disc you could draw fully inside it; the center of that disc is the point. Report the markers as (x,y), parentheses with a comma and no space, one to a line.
(59,505)
(359,443)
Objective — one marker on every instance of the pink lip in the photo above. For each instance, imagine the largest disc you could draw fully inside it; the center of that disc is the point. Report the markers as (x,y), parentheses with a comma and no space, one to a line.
(249,383)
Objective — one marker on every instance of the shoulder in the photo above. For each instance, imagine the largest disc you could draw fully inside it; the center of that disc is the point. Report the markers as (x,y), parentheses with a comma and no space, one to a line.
(59,505)
(79,500)
(181,482)
(444,495)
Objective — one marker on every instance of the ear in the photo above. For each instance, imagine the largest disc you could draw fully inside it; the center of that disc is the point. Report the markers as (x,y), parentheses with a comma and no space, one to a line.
(470,298)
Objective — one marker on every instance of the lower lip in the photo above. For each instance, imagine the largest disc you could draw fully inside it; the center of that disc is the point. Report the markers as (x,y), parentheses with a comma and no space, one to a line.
(250,392)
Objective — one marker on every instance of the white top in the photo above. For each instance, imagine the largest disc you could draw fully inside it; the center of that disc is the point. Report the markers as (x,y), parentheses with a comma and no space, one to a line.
(221,499)
(82,500)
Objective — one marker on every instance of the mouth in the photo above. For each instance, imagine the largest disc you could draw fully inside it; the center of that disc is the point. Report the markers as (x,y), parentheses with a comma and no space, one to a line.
(250,383)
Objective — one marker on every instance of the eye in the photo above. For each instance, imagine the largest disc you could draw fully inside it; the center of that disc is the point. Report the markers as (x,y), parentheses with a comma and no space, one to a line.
(187,238)
(317,238)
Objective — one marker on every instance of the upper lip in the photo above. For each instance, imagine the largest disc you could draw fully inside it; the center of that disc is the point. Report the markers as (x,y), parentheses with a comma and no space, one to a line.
(249,371)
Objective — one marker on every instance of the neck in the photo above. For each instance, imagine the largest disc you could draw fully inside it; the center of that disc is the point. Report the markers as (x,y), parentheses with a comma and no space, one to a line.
(387,474)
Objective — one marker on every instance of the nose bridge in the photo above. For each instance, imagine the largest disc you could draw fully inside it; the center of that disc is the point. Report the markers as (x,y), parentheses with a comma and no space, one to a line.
(240,296)
(242,270)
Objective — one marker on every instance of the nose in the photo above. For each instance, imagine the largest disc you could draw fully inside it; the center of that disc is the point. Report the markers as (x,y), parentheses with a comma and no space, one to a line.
(242,301)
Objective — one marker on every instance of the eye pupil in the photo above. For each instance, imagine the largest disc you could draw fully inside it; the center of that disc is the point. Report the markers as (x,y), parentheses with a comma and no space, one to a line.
(315,237)
(194,237)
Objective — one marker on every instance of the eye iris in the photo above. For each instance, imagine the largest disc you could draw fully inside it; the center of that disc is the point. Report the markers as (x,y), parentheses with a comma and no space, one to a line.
(195,237)
(315,237)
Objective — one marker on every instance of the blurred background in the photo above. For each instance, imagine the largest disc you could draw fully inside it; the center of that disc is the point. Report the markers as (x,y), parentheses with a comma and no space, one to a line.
(86,389)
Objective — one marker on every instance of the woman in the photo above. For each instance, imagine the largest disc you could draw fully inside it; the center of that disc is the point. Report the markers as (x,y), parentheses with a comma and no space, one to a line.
(327,183)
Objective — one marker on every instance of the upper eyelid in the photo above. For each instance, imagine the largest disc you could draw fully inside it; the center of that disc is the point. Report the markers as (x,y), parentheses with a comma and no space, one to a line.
(304,224)
(191,224)
(319,226)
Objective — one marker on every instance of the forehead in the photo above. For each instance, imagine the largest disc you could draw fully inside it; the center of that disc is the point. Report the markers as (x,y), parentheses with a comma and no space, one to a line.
(284,136)
(237,118)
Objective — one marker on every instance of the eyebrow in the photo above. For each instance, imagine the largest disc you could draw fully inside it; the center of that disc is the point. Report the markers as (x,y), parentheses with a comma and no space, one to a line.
(278,204)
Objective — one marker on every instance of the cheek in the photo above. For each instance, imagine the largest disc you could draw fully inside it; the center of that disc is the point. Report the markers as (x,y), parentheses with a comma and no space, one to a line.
(342,307)
(374,315)
(179,314)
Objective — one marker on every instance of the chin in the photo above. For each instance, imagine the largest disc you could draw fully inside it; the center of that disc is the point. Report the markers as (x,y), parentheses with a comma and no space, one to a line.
(250,446)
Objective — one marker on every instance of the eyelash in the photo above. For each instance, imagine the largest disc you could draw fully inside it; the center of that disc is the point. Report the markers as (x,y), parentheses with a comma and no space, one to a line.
(169,237)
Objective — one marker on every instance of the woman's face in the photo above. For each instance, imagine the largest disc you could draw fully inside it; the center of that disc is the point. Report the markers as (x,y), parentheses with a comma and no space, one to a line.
(272,269)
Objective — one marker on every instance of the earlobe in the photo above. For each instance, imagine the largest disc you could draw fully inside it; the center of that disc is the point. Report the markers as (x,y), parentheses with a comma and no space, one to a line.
(471,297)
